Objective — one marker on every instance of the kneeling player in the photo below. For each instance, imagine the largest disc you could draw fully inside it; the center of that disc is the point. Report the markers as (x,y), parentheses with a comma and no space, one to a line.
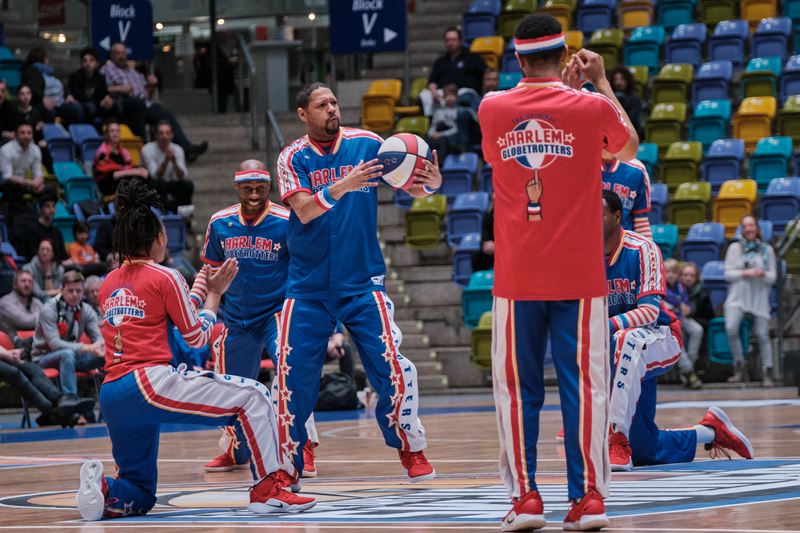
(646,343)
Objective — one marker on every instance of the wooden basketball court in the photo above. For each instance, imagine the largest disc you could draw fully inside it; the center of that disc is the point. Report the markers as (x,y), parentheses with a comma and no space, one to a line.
(363,488)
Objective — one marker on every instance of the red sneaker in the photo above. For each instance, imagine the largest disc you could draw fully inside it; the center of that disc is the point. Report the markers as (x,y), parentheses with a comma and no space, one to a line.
(726,436)
(91,496)
(223,463)
(619,451)
(526,514)
(270,495)
(560,435)
(588,514)
(417,466)
(309,468)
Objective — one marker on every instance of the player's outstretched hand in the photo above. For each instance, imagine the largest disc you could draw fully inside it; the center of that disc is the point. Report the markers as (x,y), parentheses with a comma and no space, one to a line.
(219,281)
(429,176)
(363,175)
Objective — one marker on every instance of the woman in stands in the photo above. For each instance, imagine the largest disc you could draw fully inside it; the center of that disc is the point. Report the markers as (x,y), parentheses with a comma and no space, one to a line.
(142,391)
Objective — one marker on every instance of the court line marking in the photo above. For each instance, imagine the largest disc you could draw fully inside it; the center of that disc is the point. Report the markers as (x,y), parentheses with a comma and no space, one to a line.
(465,526)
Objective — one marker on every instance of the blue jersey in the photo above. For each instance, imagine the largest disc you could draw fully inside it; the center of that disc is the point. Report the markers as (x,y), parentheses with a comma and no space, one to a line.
(337,254)
(629,180)
(258,290)
(635,271)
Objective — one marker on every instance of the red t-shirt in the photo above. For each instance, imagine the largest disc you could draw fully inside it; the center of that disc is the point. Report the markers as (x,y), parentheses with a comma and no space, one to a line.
(554,250)
(136,300)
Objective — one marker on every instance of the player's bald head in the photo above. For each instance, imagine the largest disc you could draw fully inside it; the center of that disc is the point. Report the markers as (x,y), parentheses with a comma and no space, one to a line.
(251,164)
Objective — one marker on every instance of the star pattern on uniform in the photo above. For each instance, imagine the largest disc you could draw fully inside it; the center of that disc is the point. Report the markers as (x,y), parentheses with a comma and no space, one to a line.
(569,138)
(128,508)
(286,395)
(397,399)
(276,247)
(290,447)
(284,369)
(286,350)
(633,195)
(392,418)
(387,355)
(287,419)
(501,142)
(386,339)
(396,378)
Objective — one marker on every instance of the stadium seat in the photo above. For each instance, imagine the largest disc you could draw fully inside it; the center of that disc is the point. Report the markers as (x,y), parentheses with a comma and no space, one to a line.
(561,10)
(417,86)
(462,258)
(594,15)
(641,79)
(713,276)
(648,155)
(686,44)
(78,189)
(728,42)
(712,12)
(485,7)
(490,49)
(753,11)
(86,139)
(508,80)
(474,25)
(788,121)
(703,243)
(672,13)
(477,297)
(486,184)
(175,226)
(666,237)
(753,120)
(402,199)
(766,227)
(710,122)
(635,13)
(643,48)
(719,350)
(574,40)
(781,203)
(770,160)
(722,162)
(772,38)
(680,164)
(63,220)
(672,84)
(466,216)
(94,222)
(59,143)
(607,43)
(132,143)
(790,80)
(67,171)
(791,9)
(513,11)
(7,249)
(377,113)
(712,81)
(458,174)
(417,125)
(665,125)
(689,205)
(423,222)
(659,199)
(736,198)
(482,342)
(760,78)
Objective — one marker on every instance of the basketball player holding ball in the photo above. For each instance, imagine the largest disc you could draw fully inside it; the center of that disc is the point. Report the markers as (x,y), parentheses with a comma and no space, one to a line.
(336,272)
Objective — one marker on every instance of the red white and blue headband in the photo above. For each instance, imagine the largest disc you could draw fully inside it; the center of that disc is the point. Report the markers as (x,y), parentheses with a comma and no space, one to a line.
(540,44)
(251,175)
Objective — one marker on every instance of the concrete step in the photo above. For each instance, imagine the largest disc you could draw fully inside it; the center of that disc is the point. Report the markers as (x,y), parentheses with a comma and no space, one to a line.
(425,273)
(393,234)
(390,216)
(449,313)
(432,383)
(416,340)
(419,354)
(458,368)
(395,286)
(433,293)
(409,326)
(403,256)
(449,332)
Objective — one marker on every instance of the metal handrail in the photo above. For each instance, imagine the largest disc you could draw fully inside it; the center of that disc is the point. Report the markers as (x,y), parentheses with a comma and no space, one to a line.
(273,130)
(251,67)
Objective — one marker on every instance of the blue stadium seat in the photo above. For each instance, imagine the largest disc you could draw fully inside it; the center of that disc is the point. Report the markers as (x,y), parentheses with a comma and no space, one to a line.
(791,9)
(686,45)
(771,38)
(402,199)
(507,80)
(659,198)
(672,13)
(466,216)
(485,7)
(790,80)
(94,222)
(486,184)
(7,249)
(713,276)
(781,203)
(722,162)
(462,258)
(710,121)
(728,42)
(770,160)
(703,243)
(78,189)
(509,62)
(666,237)
(476,25)
(63,221)
(767,230)
(458,173)
(86,139)
(648,155)
(594,15)
(66,171)
(477,297)
(175,225)
(59,143)
(644,48)
(712,81)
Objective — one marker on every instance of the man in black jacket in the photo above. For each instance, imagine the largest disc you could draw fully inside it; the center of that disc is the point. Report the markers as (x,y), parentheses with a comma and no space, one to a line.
(87,87)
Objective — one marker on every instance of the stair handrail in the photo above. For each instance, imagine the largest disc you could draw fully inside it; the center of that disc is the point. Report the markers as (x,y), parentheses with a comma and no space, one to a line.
(273,131)
(782,246)
(253,100)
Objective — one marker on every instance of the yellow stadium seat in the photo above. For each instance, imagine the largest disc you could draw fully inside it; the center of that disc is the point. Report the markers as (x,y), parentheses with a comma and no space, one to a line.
(736,199)
(755,10)
(689,205)
(132,143)
(377,113)
(753,120)
(417,85)
(490,49)
(635,13)
(562,12)
(387,87)
(574,39)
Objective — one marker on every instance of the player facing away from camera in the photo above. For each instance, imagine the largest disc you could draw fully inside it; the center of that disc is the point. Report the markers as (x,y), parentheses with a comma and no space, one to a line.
(646,342)
(544,139)
(142,390)
(254,233)
(336,272)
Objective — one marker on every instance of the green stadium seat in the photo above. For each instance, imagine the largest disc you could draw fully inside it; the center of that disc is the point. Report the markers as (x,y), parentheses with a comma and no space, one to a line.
(513,11)
(561,10)
(665,125)
(689,205)
(423,222)
(477,297)
(760,78)
(788,122)
(607,43)
(719,350)
(681,164)
(417,125)
(712,12)
(482,342)
(641,77)
(672,84)
(666,237)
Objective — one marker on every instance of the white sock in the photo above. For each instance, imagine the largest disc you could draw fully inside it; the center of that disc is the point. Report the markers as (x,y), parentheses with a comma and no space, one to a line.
(705,434)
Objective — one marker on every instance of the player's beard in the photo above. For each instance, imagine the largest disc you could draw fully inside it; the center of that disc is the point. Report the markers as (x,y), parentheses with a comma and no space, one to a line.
(332,126)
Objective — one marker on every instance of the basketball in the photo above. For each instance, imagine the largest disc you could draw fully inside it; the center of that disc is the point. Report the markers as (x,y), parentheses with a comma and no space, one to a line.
(401,155)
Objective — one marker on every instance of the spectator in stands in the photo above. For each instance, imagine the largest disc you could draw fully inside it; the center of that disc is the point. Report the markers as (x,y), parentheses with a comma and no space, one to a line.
(457,65)
(91,290)
(750,272)
(8,115)
(26,113)
(19,310)
(131,92)
(47,273)
(483,259)
(57,342)
(81,252)
(22,176)
(677,301)
(700,311)
(444,134)
(166,163)
(30,382)
(623,84)
(112,162)
(48,91)
(491,80)
(87,87)
(28,235)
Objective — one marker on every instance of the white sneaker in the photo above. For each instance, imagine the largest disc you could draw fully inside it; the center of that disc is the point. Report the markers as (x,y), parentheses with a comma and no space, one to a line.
(90,498)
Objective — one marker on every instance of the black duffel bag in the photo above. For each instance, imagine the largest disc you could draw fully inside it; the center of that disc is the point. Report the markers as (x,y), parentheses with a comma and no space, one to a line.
(337,392)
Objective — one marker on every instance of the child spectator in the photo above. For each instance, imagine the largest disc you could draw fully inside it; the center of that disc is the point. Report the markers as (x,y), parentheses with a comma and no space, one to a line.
(82,253)
(444,135)
(677,301)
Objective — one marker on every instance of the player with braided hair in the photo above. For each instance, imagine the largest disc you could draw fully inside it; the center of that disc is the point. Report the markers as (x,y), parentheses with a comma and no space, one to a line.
(142,391)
